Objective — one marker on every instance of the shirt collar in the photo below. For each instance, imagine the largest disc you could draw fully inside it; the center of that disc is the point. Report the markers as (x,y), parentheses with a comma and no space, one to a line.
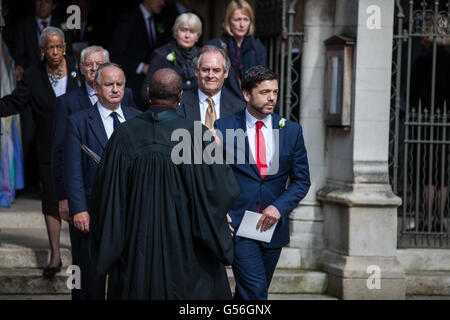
(48,19)
(105,113)
(251,120)
(202,97)
(145,13)
(90,90)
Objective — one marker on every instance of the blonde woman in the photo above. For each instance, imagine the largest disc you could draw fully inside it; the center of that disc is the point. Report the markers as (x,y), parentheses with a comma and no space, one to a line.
(237,40)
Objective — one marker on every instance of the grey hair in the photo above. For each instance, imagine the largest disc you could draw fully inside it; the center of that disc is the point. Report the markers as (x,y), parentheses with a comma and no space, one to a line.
(98,74)
(211,48)
(50,31)
(93,49)
(191,19)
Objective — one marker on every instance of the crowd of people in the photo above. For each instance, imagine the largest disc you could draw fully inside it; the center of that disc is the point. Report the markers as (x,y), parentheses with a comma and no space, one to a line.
(104,124)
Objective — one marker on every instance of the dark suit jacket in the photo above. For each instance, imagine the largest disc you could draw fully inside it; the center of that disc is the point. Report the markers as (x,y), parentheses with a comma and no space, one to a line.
(35,90)
(159,61)
(26,45)
(289,162)
(189,107)
(66,105)
(84,127)
(130,46)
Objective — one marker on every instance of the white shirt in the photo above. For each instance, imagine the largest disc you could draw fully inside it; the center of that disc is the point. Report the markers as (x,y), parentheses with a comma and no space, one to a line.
(60,87)
(267,133)
(91,93)
(204,104)
(108,122)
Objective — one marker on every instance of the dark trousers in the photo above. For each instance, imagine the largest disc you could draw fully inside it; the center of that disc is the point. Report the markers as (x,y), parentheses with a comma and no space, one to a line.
(253,268)
(92,285)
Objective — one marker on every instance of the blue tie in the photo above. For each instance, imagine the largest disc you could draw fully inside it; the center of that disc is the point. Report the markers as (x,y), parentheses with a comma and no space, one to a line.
(116,121)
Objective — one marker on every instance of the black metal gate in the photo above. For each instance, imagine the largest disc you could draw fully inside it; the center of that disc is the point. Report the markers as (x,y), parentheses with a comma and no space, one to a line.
(275,27)
(420,124)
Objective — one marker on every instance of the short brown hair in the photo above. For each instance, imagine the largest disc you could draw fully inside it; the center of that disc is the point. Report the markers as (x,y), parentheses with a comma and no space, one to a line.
(246,9)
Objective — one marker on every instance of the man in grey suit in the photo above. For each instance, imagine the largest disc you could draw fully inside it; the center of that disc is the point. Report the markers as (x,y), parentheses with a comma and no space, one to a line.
(211,101)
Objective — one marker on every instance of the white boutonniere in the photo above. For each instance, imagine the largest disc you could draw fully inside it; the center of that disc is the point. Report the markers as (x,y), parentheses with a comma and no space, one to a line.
(282,123)
(73,74)
(64,26)
(172,58)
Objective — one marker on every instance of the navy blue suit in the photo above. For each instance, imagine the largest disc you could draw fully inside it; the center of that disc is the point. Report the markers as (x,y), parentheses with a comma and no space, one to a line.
(84,127)
(66,105)
(289,161)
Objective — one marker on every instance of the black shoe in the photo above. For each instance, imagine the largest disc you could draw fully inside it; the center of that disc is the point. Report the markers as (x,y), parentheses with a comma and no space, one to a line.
(49,272)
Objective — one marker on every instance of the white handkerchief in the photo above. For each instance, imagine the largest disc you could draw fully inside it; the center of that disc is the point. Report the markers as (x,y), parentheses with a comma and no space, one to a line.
(247,228)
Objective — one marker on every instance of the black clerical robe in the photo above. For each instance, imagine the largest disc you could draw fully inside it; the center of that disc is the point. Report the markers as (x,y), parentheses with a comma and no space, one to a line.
(159,229)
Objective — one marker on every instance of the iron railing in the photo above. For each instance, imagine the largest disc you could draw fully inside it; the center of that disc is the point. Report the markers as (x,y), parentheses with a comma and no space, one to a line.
(275,27)
(420,128)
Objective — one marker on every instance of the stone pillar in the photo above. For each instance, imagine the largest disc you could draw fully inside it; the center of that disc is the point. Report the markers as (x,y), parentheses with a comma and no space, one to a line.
(360,210)
(307,219)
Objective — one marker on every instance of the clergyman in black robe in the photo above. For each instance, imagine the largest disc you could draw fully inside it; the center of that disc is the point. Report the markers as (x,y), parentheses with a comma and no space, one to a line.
(160,229)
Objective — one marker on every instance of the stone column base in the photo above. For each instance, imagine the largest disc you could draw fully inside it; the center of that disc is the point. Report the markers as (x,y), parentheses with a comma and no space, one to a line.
(364,278)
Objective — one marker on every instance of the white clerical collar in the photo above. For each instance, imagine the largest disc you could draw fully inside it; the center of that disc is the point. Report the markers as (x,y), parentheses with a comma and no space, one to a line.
(251,120)
(105,112)
(202,97)
(144,11)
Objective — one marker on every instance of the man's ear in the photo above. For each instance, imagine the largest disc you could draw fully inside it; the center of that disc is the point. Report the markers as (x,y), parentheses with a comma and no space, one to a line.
(179,97)
(246,95)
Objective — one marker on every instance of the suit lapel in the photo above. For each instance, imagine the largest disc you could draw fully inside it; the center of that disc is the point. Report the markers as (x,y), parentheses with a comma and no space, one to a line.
(224,106)
(193,108)
(51,97)
(242,124)
(96,125)
(72,77)
(84,97)
(127,113)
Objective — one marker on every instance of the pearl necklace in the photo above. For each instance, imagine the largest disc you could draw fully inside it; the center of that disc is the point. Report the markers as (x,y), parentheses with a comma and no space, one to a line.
(55,78)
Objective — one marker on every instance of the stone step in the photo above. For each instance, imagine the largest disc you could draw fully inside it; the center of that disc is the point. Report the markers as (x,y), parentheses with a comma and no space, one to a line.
(29,248)
(31,282)
(428,283)
(24,213)
(288,281)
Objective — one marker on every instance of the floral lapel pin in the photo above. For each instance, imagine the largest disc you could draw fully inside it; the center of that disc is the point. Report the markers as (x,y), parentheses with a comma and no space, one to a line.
(282,123)
(73,74)
(172,58)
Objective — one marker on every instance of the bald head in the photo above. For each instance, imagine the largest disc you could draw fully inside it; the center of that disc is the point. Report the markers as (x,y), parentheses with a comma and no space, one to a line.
(166,88)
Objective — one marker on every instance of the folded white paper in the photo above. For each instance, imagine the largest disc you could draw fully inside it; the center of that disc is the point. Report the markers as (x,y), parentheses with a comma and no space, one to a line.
(247,228)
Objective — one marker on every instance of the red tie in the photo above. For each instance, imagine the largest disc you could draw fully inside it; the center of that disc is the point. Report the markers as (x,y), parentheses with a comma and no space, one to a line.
(261,161)
(44,24)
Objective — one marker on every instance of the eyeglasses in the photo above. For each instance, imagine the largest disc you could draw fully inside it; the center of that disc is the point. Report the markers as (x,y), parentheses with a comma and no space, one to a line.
(91,64)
